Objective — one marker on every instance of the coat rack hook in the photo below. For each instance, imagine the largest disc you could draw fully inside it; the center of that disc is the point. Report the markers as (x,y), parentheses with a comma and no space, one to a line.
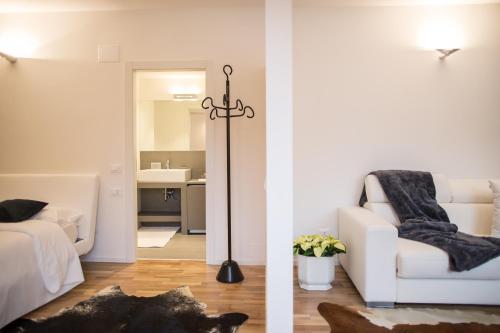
(228,70)
(206,100)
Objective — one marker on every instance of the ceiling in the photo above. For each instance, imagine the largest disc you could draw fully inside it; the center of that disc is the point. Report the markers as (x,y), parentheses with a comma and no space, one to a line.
(397,2)
(27,6)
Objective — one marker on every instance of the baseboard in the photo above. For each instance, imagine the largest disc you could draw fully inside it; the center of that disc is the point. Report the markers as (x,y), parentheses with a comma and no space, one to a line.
(124,260)
(244,262)
(241,262)
(105,259)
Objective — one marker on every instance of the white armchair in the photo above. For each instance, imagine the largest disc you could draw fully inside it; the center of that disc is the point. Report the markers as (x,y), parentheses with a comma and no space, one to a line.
(371,262)
(386,269)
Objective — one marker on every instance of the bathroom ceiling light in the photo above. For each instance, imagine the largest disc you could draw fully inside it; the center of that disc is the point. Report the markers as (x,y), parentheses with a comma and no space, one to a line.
(186,97)
(10,58)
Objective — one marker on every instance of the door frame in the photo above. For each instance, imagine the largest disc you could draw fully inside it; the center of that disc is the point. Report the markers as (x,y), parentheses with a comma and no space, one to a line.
(130,190)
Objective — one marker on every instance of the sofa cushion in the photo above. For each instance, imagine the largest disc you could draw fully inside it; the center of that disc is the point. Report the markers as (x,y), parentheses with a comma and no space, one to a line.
(417,260)
(470,191)
(375,193)
(470,218)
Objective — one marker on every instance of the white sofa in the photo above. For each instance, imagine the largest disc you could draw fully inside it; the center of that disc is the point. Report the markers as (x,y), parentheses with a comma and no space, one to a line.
(386,269)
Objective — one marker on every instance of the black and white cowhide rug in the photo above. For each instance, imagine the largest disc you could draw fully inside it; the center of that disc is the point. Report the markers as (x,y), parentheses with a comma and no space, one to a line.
(112,311)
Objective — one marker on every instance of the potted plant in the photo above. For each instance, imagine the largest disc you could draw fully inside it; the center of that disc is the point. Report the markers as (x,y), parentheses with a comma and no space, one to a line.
(316,260)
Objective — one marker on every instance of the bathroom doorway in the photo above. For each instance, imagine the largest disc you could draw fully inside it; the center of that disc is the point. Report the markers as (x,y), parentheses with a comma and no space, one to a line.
(170,148)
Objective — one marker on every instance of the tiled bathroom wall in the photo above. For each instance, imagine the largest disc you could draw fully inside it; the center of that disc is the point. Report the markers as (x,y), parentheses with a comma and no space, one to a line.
(194,160)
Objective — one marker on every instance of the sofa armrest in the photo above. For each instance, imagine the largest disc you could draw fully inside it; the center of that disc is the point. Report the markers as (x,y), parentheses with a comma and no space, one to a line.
(370,260)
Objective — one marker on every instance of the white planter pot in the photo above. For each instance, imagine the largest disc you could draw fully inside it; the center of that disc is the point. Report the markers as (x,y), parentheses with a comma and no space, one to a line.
(316,273)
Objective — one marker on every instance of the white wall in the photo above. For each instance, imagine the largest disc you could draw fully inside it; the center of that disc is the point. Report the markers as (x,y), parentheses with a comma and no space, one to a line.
(367,98)
(279,144)
(61,111)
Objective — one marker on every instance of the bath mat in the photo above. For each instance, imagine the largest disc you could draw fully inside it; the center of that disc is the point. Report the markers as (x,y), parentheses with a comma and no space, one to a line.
(155,236)
(112,311)
(408,320)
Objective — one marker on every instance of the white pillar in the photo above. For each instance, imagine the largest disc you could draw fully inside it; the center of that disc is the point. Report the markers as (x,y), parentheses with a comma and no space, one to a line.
(279,176)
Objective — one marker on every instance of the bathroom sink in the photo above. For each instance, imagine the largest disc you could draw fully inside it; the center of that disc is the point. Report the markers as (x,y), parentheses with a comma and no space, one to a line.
(164,175)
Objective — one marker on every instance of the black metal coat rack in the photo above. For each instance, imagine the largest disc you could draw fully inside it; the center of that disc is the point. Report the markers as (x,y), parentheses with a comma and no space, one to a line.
(230,271)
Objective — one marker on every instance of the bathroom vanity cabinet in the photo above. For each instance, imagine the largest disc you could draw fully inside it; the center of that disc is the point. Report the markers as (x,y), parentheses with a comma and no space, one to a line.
(152,206)
(196,208)
(187,207)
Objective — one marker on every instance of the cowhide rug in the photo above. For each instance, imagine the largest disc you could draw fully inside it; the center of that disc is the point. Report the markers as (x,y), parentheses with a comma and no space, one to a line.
(407,320)
(112,311)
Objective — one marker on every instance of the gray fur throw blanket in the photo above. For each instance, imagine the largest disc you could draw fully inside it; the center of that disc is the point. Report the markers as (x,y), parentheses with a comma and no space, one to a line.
(112,311)
(412,194)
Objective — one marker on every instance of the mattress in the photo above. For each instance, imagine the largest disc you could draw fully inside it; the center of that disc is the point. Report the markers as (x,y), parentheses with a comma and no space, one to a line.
(71,230)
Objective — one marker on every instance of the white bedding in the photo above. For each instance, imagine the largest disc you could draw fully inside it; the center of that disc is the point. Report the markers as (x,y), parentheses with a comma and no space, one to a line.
(71,230)
(38,263)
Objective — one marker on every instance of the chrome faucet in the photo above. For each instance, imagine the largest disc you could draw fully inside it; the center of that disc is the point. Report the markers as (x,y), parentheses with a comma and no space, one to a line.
(167,164)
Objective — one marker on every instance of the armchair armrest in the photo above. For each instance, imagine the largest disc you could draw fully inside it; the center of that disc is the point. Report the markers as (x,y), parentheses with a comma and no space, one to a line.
(370,260)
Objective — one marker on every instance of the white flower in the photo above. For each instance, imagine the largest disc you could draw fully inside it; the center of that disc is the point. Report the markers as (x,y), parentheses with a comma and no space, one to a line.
(305,246)
(339,246)
(319,244)
(318,251)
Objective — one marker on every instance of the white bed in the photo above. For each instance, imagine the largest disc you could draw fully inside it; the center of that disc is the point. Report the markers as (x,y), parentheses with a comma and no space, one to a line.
(38,261)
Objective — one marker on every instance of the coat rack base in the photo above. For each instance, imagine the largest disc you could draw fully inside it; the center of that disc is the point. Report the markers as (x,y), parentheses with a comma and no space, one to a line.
(230,272)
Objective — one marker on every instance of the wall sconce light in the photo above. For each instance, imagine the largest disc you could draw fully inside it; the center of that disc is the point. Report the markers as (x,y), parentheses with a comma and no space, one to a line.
(445,53)
(16,45)
(443,36)
(10,58)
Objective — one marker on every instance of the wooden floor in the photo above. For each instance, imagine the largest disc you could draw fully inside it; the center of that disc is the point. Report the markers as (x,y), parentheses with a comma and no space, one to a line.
(148,278)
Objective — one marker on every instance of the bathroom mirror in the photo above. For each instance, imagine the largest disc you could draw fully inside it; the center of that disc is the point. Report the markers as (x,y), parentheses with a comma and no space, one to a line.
(169,116)
(170,126)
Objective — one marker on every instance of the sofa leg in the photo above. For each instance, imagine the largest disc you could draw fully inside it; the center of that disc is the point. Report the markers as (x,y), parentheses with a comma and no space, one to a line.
(389,305)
